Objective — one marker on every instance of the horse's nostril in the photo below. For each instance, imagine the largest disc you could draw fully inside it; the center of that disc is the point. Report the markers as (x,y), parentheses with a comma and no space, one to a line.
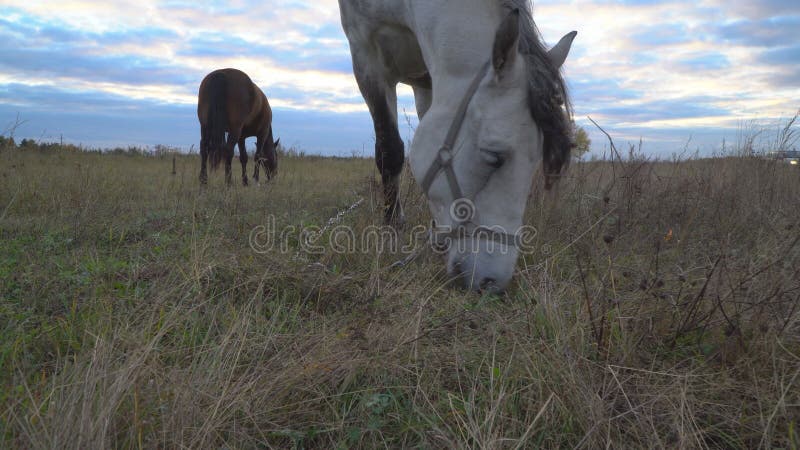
(488,284)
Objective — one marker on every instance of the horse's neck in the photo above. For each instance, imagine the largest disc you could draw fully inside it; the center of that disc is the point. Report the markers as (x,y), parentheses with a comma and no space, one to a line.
(455,36)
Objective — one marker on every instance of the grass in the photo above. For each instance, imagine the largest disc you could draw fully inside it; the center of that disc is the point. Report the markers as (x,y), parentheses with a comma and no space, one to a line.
(658,309)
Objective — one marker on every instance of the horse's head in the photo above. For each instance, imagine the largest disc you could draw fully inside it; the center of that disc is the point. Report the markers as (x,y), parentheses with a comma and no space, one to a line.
(480,187)
(268,158)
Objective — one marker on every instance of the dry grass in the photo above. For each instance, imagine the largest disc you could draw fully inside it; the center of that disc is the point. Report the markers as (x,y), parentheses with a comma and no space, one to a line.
(659,310)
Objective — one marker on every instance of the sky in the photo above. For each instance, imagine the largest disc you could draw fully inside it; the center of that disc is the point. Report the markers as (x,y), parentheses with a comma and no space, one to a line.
(678,75)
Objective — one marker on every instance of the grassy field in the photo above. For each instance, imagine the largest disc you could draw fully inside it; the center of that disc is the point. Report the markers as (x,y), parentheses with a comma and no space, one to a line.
(659,308)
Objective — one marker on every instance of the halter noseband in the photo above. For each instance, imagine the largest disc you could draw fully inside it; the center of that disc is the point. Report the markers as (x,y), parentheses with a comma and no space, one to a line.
(444,163)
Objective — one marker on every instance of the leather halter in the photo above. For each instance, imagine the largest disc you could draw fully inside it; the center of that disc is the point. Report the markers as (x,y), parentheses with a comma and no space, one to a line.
(444,163)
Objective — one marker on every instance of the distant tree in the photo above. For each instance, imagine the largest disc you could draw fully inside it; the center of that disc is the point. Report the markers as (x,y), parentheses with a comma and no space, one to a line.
(582,142)
(28,144)
(7,142)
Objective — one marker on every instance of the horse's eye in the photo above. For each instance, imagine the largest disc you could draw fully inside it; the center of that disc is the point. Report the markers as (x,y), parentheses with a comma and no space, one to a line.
(493,158)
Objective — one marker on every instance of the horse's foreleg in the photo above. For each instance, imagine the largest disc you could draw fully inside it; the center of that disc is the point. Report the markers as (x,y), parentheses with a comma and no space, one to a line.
(255,170)
(243,160)
(381,97)
(258,155)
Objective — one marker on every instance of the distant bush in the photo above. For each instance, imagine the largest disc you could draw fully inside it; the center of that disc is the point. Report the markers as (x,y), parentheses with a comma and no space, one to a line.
(582,142)
(290,152)
(32,145)
(7,142)
(29,145)
(128,151)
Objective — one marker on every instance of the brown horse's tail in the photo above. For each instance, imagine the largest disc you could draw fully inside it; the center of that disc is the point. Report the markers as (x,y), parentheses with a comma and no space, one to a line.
(217,117)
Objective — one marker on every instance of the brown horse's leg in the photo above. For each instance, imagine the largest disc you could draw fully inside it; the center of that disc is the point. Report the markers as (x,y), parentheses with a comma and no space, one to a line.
(243,160)
(233,138)
(259,154)
(204,141)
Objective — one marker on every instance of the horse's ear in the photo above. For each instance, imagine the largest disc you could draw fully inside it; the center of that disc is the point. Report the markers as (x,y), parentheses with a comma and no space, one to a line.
(277,143)
(506,42)
(558,54)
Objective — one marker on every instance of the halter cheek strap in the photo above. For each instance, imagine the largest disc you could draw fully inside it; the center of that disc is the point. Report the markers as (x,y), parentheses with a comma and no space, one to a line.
(444,158)
(444,163)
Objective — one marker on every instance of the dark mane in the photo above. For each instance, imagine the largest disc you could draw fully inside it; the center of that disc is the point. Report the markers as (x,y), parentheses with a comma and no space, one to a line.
(548,99)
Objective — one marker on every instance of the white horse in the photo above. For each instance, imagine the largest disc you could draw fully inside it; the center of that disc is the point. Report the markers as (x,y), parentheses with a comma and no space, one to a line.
(491,104)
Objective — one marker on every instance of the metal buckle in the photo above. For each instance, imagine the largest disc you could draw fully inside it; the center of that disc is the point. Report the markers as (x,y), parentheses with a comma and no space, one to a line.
(445,156)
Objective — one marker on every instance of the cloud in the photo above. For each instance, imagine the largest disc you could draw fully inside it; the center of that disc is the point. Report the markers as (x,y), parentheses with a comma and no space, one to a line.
(98,119)
(665,110)
(95,119)
(782,55)
(659,69)
(765,32)
(308,55)
(757,9)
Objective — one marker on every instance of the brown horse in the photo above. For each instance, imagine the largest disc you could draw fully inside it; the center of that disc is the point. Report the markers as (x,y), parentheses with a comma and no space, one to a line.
(229,102)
